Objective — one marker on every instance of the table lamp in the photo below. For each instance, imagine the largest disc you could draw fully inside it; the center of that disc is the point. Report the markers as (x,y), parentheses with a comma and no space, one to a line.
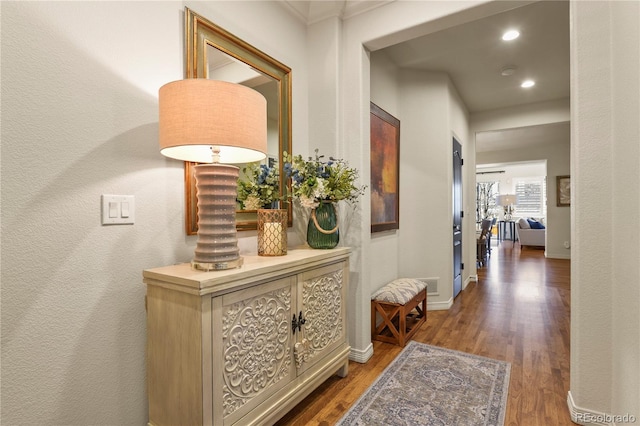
(215,122)
(507,201)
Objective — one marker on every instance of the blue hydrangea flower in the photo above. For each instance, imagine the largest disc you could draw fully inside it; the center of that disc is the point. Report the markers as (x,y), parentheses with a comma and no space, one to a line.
(264,172)
(288,169)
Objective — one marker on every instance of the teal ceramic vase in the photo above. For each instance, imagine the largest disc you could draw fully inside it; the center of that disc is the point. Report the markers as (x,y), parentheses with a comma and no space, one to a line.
(322,230)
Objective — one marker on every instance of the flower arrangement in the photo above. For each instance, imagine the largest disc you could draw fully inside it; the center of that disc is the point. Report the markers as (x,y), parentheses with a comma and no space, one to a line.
(260,189)
(314,180)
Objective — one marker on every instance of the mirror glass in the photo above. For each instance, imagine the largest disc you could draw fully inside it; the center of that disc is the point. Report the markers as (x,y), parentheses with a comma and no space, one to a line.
(216,54)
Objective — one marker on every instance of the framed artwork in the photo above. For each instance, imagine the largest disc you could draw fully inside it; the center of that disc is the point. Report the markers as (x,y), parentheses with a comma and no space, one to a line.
(385,170)
(563,191)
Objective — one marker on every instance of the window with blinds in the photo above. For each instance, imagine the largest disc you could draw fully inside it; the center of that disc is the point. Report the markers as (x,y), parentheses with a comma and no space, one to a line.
(532,196)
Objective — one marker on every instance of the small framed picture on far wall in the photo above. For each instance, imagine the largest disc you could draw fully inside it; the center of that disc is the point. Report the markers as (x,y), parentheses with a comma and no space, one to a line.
(563,191)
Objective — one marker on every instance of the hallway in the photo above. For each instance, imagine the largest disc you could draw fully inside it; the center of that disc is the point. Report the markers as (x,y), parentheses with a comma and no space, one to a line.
(518,311)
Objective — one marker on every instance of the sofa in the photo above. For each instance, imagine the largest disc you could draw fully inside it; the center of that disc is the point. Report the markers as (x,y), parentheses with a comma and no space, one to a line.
(530,232)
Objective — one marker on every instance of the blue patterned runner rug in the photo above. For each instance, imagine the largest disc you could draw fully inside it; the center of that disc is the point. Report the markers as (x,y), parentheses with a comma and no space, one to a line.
(427,385)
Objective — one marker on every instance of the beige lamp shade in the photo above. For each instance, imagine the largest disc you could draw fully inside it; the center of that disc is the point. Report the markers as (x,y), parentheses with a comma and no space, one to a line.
(506,199)
(200,115)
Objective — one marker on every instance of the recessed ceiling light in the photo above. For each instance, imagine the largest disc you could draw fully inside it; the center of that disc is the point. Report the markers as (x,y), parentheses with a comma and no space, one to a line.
(507,71)
(528,83)
(510,35)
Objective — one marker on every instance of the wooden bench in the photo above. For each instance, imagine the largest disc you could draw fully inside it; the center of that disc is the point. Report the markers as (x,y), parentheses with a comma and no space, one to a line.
(402,304)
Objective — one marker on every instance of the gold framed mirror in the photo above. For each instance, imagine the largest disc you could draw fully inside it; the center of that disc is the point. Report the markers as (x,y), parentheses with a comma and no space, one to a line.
(212,52)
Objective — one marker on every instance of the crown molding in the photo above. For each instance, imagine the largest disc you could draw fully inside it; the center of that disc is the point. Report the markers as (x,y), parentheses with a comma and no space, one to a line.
(311,12)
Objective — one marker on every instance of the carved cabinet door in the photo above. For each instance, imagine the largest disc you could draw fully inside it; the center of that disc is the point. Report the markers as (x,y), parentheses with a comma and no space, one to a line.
(252,347)
(322,300)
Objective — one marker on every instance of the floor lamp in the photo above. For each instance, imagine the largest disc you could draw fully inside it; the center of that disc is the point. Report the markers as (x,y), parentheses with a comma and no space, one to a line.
(219,123)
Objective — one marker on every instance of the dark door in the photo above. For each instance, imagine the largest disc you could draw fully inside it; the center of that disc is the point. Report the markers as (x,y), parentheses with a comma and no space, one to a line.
(457,217)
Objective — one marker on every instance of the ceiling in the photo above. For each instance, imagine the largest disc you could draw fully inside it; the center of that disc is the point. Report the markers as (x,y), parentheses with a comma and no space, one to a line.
(522,137)
(473,56)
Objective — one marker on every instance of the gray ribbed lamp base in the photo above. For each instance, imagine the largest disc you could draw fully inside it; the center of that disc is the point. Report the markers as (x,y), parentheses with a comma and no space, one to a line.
(217,246)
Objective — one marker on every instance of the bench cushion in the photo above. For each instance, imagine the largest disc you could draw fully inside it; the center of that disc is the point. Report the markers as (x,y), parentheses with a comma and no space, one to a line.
(399,291)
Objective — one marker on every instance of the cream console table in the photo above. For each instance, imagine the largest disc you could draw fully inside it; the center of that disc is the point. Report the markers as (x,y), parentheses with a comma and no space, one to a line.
(244,346)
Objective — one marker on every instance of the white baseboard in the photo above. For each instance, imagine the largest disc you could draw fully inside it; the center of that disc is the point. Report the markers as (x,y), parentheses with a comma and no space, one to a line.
(439,306)
(361,356)
(473,278)
(557,255)
(584,416)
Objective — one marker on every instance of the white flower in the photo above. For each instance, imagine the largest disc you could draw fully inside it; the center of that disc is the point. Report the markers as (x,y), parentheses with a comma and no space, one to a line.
(308,202)
(320,191)
(252,203)
(314,180)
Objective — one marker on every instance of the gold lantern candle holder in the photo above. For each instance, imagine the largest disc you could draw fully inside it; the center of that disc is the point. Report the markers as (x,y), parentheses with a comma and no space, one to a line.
(272,232)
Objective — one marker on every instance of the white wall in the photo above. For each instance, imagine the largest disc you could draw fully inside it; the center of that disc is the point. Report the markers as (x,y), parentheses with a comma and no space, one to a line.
(605,164)
(324,39)
(430,112)
(534,114)
(625,62)
(425,192)
(79,119)
(385,246)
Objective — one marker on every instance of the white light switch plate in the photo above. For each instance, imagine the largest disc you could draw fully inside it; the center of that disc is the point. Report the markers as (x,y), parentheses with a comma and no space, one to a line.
(122,211)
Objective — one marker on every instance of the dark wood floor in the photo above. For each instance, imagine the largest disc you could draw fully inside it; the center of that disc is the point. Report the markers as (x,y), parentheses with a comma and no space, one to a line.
(518,311)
